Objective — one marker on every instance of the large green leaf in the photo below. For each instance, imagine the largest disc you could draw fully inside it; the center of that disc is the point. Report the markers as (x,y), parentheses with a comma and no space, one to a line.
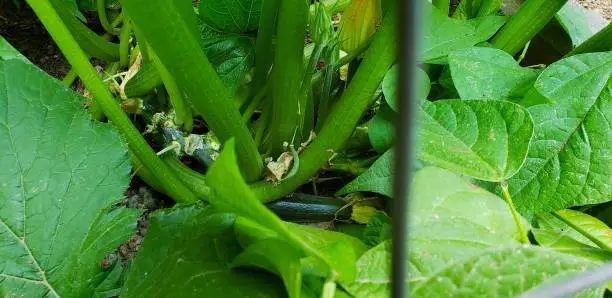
(463,243)
(569,161)
(58,169)
(449,222)
(373,273)
(451,219)
(390,81)
(8,52)
(444,35)
(504,272)
(378,178)
(487,73)
(275,256)
(234,16)
(229,192)
(187,253)
(586,223)
(484,139)
(559,241)
(288,262)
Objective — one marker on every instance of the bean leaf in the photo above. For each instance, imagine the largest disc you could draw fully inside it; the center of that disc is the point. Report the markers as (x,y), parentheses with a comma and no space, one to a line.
(487,73)
(487,140)
(460,236)
(381,129)
(58,170)
(449,222)
(378,178)
(569,162)
(515,270)
(390,81)
(444,35)
(586,223)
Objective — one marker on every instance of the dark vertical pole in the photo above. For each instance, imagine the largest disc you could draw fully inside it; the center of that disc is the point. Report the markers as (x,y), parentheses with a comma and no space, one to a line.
(409,24)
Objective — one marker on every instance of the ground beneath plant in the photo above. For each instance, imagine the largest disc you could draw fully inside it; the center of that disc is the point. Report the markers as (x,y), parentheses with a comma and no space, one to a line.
(603,7)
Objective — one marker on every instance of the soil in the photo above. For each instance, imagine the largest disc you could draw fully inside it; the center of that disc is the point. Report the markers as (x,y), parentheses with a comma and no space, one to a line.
(22,30)
(603,7)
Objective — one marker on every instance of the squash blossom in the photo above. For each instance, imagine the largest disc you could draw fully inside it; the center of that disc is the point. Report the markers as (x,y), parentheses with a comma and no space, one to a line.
(359,23)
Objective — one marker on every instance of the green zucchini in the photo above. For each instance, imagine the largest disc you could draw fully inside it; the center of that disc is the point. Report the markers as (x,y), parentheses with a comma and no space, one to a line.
(145,80)
(304,208)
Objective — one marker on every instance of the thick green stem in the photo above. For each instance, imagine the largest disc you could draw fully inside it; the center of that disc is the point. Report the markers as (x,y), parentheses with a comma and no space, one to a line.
(525,24)
(101,7)
(263,45)
(192,179)
(600,42)
(70,77)
(583,232)
(288,74)
(345,115)
(515,215)
(250,109)
(80,62)
(181,53)
(124,44)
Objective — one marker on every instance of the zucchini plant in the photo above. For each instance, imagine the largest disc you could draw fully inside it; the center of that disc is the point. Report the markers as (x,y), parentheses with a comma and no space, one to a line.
(263,120)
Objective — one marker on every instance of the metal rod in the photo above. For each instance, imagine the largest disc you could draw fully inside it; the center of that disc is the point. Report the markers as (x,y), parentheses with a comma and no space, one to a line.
(409,25)
(569,287)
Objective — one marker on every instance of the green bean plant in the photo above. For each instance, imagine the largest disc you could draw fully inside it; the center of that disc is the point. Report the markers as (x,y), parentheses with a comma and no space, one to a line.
(270,125)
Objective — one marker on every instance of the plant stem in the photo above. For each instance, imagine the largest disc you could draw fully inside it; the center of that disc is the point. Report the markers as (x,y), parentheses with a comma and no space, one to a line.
(181,53)
(250,109)
(583,232)
(192,179)
(101,7)
(525,24)
(318,76)
(524,52)
(515,215)
(345,115)
(263,45)
(80,62)
(288,74)
(329,288)
(117,21)
(124,44)
(600,42)
(70,77)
